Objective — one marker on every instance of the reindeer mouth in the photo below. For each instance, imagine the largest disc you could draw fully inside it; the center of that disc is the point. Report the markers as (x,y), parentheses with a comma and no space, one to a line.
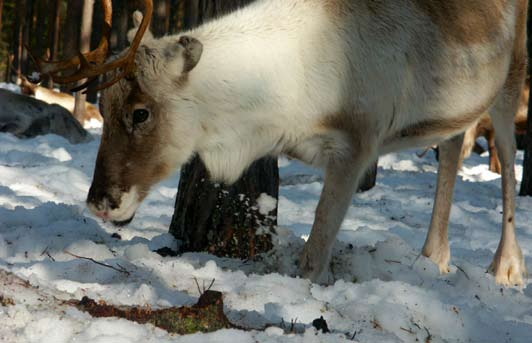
(119,215)
(122,223)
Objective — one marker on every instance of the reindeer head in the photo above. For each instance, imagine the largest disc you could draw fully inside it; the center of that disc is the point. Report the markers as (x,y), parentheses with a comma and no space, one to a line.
(138,147)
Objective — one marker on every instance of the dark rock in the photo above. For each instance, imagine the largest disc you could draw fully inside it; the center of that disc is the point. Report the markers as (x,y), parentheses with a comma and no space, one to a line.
(27,117)
(320,324)
(166,252)
(116,236)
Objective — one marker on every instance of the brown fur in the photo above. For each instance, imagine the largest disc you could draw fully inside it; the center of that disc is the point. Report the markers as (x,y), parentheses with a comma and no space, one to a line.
(336,8)
(518,67)
(346,123)
(439,128)
(126,156)
(522,114)
(436,129)
(465,22)
(484,128)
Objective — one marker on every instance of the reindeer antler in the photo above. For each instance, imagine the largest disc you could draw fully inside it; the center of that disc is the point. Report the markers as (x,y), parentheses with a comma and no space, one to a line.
(92,64)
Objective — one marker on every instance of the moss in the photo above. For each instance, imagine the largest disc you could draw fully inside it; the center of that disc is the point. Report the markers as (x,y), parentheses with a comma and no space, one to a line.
(206,316)
(205,320)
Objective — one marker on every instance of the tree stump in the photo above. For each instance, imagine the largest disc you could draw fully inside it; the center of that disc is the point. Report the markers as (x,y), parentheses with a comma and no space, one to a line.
(227,220)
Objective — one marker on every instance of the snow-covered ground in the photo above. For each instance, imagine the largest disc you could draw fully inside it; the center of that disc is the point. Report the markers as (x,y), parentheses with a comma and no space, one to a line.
(380,290)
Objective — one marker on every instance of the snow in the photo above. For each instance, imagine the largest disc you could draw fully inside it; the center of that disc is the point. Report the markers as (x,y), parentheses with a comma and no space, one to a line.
(380,289)
(266,204)
(10,87)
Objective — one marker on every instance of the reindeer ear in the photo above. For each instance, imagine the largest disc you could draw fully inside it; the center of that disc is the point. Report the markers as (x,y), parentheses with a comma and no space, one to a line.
(192,53)
(137,20)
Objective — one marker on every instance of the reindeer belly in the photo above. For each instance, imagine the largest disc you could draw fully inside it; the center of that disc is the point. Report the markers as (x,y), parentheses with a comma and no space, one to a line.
(444,102)
(427,132)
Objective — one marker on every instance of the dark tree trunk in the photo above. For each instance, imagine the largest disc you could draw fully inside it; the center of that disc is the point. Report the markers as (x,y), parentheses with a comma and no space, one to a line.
(177,9)
(1,12)
(160,15)
(224,220)
(526,184)
(120,25)
(26,36)
(168,20)
(54,31)
(71,31)
(192,13)
(97,31)
(40,27)
(97,20)
(84,46)
(18,36)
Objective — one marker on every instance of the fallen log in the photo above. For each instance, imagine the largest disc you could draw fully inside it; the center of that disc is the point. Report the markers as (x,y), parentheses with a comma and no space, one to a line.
(206,316)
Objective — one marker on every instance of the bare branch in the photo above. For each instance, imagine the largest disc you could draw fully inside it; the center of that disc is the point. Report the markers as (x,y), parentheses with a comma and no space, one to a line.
(120,269)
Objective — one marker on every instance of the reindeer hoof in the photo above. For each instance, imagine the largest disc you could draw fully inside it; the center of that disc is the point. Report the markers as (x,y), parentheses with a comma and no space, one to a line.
(509,267)
(439,254)
(312,263)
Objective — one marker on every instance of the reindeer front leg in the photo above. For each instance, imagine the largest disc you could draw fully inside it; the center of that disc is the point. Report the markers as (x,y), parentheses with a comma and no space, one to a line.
(341,180)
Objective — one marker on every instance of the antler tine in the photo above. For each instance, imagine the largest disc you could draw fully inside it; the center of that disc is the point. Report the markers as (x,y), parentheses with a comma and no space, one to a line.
(92,64)
(53,68)
(127,61)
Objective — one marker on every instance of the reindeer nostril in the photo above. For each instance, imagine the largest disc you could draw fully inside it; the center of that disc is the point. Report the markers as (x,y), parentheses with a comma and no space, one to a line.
(102,214)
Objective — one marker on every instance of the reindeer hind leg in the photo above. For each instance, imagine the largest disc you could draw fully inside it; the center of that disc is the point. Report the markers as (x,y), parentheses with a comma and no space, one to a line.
(508,264)
(437,243)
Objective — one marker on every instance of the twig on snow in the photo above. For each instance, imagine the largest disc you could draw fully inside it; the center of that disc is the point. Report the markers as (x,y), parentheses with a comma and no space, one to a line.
(376,324)
(120,269)
(293,325)
(197,285)
(410,331)
(210,286)
(204,289)
(355,334)
(463,271)
(429,336)
(47,253)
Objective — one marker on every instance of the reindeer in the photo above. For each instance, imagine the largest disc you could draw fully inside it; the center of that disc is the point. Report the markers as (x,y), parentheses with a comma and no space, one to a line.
(484,128)
(64,100)
(334,83)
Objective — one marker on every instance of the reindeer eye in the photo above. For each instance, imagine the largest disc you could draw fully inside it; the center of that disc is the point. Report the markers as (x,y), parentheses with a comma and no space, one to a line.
(140,116)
